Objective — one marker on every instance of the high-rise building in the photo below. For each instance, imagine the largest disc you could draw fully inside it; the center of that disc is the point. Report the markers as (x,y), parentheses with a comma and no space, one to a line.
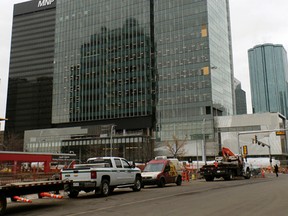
(29,100)
(160,66)
(240,98)
(268,78)
(194,66)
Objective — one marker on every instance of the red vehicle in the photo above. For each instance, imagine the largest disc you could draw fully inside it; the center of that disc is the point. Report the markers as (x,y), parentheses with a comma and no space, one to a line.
(160,172)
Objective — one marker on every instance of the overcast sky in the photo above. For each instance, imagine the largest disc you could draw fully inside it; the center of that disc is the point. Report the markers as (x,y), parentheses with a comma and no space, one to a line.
(253,22)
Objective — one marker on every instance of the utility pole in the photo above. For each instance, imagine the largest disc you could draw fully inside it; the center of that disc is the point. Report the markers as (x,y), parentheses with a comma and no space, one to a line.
(204,141)
(111,139)
(269,147)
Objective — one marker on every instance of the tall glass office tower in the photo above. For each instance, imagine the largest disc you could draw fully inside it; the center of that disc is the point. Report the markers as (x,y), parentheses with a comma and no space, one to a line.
(194,65)
(104,63)
(150,65)
(268,78)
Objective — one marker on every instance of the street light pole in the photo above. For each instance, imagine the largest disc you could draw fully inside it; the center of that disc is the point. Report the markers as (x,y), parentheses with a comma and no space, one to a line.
(197,156)
(204,141)
(270,157)
(111,140)
(238,142)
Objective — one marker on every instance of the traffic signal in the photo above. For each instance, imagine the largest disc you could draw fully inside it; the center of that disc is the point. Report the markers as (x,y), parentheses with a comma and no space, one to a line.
(261,143)
(245,150)
(255,140)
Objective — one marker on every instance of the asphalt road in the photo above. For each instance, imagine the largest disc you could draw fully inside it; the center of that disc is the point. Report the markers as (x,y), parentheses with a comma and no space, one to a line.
(253,197)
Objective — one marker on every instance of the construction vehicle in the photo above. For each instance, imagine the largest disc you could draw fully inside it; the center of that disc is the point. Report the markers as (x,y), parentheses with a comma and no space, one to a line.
(226,166)
(25,173)
(14,189)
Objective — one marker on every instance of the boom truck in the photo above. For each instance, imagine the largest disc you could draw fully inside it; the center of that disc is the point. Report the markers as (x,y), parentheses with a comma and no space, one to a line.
(226,166)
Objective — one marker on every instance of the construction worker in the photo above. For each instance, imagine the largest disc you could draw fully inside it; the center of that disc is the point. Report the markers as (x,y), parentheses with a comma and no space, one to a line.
(276,170)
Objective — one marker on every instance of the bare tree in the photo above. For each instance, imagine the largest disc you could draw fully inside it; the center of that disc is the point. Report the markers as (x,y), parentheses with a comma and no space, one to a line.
(177,148)
(13,142)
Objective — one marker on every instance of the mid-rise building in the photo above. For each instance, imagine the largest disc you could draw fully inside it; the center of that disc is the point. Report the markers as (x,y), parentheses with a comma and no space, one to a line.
(268,69)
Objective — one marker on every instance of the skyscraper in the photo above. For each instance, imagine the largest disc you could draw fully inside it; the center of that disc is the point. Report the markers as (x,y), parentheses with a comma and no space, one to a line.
(29,100)
(268,78)
(240,98)
(194,65)
(158,66)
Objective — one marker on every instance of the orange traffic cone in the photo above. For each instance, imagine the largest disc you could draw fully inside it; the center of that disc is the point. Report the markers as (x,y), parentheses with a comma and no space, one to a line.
(45,194)
(263,173)
(20,199)
(185,176)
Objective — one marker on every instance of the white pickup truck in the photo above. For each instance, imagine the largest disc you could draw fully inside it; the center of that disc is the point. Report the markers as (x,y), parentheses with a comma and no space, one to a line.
(102,174)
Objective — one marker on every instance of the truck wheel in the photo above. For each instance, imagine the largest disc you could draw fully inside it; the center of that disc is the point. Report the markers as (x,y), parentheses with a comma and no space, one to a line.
(179,181)
(3,204)
(209,178)
(161,182)
(248,174)
(229,177)
(137,184)
(13,200)
(73,193)
(105,188)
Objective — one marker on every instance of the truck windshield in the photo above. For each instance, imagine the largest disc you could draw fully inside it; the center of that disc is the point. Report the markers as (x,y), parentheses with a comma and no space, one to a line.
(153,167)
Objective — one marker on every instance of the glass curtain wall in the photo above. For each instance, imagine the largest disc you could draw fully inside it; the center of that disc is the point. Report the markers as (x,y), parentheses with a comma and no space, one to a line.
(268,77)
(194,65)
(181,35)
(222,75)
(103,67)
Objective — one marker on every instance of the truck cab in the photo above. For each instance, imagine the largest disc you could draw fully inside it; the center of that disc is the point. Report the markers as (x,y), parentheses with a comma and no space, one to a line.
(160,172)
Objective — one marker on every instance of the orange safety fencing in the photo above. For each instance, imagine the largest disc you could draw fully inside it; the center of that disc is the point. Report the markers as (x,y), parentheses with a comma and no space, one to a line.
(46,194)
(21,199)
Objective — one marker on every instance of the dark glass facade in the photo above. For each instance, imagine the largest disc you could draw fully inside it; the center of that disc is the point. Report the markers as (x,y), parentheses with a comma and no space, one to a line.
(29,101)
(104,63)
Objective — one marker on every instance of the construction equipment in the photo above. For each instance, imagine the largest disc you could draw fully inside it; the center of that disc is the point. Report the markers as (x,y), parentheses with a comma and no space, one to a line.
(14,191)
(226,166)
